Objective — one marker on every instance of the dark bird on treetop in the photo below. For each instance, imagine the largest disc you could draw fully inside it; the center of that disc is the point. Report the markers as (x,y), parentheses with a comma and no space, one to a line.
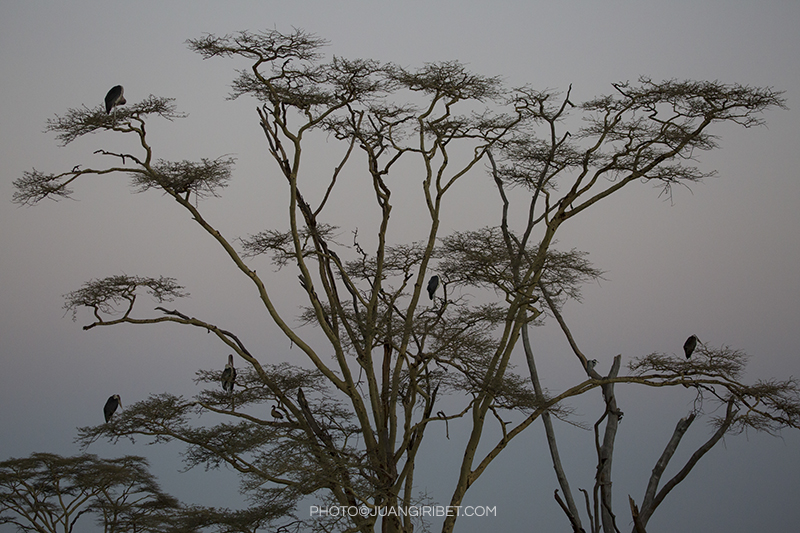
(276,414)
(111,406)
(689,346)
(114,98)
(433,284)
(229,375)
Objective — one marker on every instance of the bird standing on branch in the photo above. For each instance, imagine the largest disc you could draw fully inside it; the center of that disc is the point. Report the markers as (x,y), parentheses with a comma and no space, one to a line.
(433,284)
(111,405)
(114,98)
(689,346)
(229,375)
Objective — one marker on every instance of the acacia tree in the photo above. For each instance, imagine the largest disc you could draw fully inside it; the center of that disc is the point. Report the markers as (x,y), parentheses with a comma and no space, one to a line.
(48,493)
(355,421)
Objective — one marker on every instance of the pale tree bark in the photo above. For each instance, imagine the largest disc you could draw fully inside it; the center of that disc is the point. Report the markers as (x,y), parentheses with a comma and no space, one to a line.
(605,450)
(561,476)
(638,527)
(612,415)
(518,256)
(653,499)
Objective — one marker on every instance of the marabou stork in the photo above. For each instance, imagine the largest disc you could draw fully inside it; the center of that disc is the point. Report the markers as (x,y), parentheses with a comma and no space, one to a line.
(229,375)
(111,405)
(690,345)
(114,98)
(433,284)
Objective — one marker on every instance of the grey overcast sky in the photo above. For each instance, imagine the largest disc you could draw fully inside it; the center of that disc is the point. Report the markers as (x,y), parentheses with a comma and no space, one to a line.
(719,260)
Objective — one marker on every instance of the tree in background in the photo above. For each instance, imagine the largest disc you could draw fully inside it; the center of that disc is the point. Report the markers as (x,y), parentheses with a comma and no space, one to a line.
(359,402)
(48,493)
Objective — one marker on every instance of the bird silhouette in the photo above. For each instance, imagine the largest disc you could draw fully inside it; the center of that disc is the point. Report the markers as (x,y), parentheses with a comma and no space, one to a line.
(276,414)
(433,284)
(114,98)
(229,375)
(111,405)
(690,345)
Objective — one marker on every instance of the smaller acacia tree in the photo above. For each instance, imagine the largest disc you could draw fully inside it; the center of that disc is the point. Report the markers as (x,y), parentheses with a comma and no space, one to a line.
(48,493)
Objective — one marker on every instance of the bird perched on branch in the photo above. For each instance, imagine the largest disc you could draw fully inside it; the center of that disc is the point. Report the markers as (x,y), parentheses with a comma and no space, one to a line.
(276,413)
(690,345)
(229,375)
(114,98)
(433,284)
(111,405)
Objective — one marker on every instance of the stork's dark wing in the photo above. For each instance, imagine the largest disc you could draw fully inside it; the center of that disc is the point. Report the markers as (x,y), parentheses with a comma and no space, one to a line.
(112,97)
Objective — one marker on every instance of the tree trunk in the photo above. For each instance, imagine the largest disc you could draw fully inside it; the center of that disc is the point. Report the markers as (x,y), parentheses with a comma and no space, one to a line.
(606,451)
(571,509)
